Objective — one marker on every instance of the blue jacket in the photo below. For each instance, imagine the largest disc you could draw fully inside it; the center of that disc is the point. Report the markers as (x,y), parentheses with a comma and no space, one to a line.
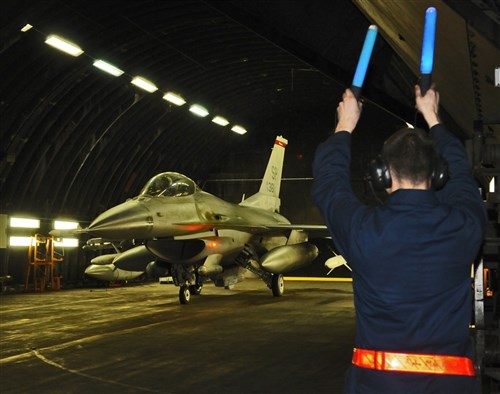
(411,261)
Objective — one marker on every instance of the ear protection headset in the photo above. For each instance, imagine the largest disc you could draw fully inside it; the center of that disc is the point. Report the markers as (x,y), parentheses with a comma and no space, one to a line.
(380,176)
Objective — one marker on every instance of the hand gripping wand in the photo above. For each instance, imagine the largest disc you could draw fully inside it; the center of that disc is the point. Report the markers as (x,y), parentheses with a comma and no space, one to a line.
(364,60)
(427,58)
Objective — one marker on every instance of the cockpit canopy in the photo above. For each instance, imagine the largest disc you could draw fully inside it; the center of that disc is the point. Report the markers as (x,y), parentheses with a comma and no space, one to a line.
(169,184)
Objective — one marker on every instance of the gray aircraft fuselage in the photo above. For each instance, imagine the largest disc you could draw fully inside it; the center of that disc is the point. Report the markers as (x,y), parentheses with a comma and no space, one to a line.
(146,217)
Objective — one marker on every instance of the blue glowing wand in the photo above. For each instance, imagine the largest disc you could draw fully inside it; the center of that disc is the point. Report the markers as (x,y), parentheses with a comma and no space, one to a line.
(427,59)
(364,59)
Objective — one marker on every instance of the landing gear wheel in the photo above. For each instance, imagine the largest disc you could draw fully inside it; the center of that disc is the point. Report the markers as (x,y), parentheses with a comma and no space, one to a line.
(278,285)
(184,295)
(195,289)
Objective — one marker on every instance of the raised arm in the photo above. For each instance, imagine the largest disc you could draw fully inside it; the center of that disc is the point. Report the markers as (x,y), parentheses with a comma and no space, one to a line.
(332,190)
(461,191)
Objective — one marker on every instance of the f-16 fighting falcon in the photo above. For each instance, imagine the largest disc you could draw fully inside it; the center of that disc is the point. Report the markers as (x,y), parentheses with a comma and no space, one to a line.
(198,237)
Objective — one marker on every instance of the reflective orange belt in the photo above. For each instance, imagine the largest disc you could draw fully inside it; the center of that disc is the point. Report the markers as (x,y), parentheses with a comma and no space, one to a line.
(416,363)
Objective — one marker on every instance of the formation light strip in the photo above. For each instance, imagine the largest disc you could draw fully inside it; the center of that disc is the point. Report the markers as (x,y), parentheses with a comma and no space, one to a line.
(64,45)
(109,68)
(142,83)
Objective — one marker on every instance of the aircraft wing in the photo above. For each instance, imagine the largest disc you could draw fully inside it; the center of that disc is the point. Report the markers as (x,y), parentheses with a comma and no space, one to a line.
(316,229)
(254,229)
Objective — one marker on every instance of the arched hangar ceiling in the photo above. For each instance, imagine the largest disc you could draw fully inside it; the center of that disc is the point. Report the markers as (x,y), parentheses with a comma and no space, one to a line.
(75,141)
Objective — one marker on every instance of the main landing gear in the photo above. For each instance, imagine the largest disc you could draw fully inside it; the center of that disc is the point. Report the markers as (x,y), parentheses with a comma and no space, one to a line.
(184,277)
(186,291)
(277,285)
(248,259)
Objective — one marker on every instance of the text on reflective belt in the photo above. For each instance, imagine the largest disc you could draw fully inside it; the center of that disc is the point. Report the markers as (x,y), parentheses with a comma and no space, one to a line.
(410,362)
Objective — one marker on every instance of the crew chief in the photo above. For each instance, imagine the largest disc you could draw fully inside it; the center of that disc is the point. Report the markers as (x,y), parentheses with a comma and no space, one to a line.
(411,257)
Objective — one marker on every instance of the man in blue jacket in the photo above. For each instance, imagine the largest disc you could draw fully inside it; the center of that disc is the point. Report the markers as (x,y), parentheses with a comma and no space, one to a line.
(411,257)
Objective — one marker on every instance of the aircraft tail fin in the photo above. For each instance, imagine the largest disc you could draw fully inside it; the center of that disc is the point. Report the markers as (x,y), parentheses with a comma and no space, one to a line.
(268,194)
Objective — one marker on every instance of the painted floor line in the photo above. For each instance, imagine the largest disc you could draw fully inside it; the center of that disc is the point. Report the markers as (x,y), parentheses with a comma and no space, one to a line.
(85,375)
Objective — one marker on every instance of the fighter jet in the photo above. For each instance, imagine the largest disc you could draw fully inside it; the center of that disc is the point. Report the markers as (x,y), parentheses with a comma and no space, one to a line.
(199,237)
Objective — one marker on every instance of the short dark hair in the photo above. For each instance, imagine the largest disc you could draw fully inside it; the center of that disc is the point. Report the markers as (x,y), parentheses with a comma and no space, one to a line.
(410,154)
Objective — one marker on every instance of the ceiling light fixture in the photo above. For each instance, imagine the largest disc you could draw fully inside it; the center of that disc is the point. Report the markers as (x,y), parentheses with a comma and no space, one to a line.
(20,241)
(67,243)
(238,129)
(109,68)
(65,225)
(198,110)
(26,27)
(174,98)
(491,185)
(220,121)
(64,45)
(144,84)
(24,222)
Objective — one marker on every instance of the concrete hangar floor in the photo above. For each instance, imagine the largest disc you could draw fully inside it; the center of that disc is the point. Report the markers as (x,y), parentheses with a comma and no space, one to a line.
(139,339)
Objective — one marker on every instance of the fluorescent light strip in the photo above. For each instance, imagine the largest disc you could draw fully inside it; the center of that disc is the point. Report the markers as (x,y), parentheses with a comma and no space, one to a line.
(24,223)
(20,241)
(65,225)
(64,45)
(220,121)
(109,68)
(74,50)
(198,110)
(26,27)
(238,129)
(144,84)
(174,99)
(67,243)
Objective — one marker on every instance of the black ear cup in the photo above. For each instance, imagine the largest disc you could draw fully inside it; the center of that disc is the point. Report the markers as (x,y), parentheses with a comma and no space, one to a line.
(441,174)
(379,175)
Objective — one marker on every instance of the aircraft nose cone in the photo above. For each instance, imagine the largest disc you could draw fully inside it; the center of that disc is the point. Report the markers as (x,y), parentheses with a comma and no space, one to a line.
(125,221)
